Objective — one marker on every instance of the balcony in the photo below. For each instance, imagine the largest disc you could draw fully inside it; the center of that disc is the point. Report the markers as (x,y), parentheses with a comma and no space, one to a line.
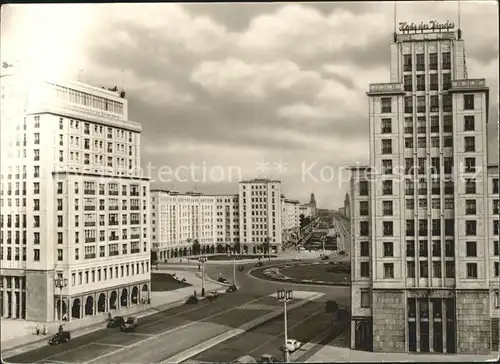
(135,236)
(114,208)
(113,253)
(89,208)
(113,193)
(90,256)
(134,193)
(114,237)
(135,250)
(89,240)
(134,208)
(385,89)
(89,192)
(135,222)
(89,223)
(113,223)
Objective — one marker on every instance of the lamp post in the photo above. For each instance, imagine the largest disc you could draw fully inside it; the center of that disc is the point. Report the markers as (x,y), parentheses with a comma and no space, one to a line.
(202,260)
(285,295)
(60,283)
(232,253)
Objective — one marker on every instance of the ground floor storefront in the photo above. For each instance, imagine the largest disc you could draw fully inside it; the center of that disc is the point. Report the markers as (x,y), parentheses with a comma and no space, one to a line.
(427,321)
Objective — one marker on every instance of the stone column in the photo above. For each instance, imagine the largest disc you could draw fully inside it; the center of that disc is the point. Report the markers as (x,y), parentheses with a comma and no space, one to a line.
(444,322)
(417,323)
(129,296)
(14,301)
(21,303)
(106,301)
(82,305)
(94,304)
(5,298)
(431,326)
(69,309)
(119,299)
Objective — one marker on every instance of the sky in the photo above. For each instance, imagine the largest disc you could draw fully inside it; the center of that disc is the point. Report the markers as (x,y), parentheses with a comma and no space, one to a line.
(235,91)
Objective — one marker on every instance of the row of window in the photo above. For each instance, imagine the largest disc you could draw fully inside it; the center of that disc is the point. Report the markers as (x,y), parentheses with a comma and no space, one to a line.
(470,227)
(447,103)
(469,143)
(423,248)
(387,206)
(113,272)
(469,124)
(433,84)
(432,61)
(388,269)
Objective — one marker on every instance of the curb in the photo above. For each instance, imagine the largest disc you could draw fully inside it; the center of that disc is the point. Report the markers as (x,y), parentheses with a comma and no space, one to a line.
(197,349)
(295,281)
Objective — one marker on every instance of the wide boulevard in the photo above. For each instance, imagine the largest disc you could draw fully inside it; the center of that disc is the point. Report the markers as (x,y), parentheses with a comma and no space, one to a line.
(166,334)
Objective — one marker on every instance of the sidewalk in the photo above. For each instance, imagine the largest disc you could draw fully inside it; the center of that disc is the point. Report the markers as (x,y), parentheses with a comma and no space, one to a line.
(20,333)
(338,351)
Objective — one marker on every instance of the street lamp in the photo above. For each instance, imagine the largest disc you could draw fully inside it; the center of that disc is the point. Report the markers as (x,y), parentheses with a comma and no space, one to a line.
(285,295)
(232,252)
(202,260)
(60,283)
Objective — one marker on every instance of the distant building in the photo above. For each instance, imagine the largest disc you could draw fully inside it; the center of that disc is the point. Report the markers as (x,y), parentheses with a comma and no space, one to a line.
(312,206)
(260,214)
(290,218)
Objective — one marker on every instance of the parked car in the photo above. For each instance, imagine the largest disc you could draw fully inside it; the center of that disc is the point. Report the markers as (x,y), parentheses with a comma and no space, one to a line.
(259,264)
(268,358)
(60,338)
(223,280)
(245,359)
(232,288)
(296,259)
(116,321)
(212,294)
(129,325)
(292,345)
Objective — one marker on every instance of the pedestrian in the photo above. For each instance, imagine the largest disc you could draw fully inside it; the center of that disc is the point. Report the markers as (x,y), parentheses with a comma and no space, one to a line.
(45,331)
(65,317)
(37,330)
(61,328)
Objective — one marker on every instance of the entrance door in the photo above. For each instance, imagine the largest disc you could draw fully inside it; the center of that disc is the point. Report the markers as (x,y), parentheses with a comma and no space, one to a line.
(438,337)
(363,339)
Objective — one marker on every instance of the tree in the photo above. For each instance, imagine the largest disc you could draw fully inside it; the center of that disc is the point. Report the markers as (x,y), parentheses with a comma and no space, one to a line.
(219,248)
(196,247)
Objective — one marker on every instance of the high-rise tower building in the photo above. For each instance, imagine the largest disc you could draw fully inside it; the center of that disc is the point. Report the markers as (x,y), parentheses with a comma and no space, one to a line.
(424,215)
(73,203)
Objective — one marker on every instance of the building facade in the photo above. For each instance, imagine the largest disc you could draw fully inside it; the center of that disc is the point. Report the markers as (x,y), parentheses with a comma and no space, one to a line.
(178,219)
(305,210)
(260,214)
(73,202)
(290,219)
(227,221)
(425,214)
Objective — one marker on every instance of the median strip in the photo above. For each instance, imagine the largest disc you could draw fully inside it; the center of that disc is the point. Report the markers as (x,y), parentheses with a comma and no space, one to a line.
(197,349)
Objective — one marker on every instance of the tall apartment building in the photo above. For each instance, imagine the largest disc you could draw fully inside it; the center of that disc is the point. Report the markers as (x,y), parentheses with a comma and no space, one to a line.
(227,222)
(178,219)
(424,215)
(290,226)
(260,214)
(73,203)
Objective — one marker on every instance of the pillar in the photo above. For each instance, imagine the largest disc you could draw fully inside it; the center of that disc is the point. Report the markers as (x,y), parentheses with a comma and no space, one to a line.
(82,307)
(129,296)
(444,321)
(119,299)
(21,301)
(69,309)
(431,326)
(106,301)
(5,298)
(94,304)
(14,300)
(417,322)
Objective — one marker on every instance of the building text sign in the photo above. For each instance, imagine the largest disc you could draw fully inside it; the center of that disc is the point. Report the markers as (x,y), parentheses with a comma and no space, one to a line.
(431,26)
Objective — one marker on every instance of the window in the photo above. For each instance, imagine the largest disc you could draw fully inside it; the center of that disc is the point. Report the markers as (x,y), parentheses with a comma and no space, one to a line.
(421,104)
(434,100)
(468,102)
(387,208)
(446,81)
(388,270)
(388,249)
(363,208)
(436,248)
(470,207)
(387,166)
(496,248)
(386,103)
(364,228)
(364,247)
(410,269)
(497,269)
(408,106)
(450,269)
(495,207)
(470,145)
(386,126)
(36,255)
(471,248)
(420,62)
(469,123)
(421,142)
(410,248)
(495,227)
(59,254)
(449,226)
(470,186)
(423,250)
(447,103)
(446,60)
(36,123)
(420,82)
(365,299)
(433,61)
(408,142)
(408,83)
(387,187)
(436,269)
(365,269)
(470,165)
(471,270)
(386,146)
(407,63)
(36,155)
(424,269)
(388,228)
(410,204)
(495,185)
(363,188)
(433,82)
(470,227)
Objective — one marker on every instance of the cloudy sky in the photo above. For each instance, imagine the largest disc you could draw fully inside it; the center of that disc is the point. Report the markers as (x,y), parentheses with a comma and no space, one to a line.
(274,90)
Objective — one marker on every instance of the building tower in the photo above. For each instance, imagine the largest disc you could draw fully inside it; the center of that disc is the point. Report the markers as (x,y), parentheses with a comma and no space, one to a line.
(424,216)
(73,203)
